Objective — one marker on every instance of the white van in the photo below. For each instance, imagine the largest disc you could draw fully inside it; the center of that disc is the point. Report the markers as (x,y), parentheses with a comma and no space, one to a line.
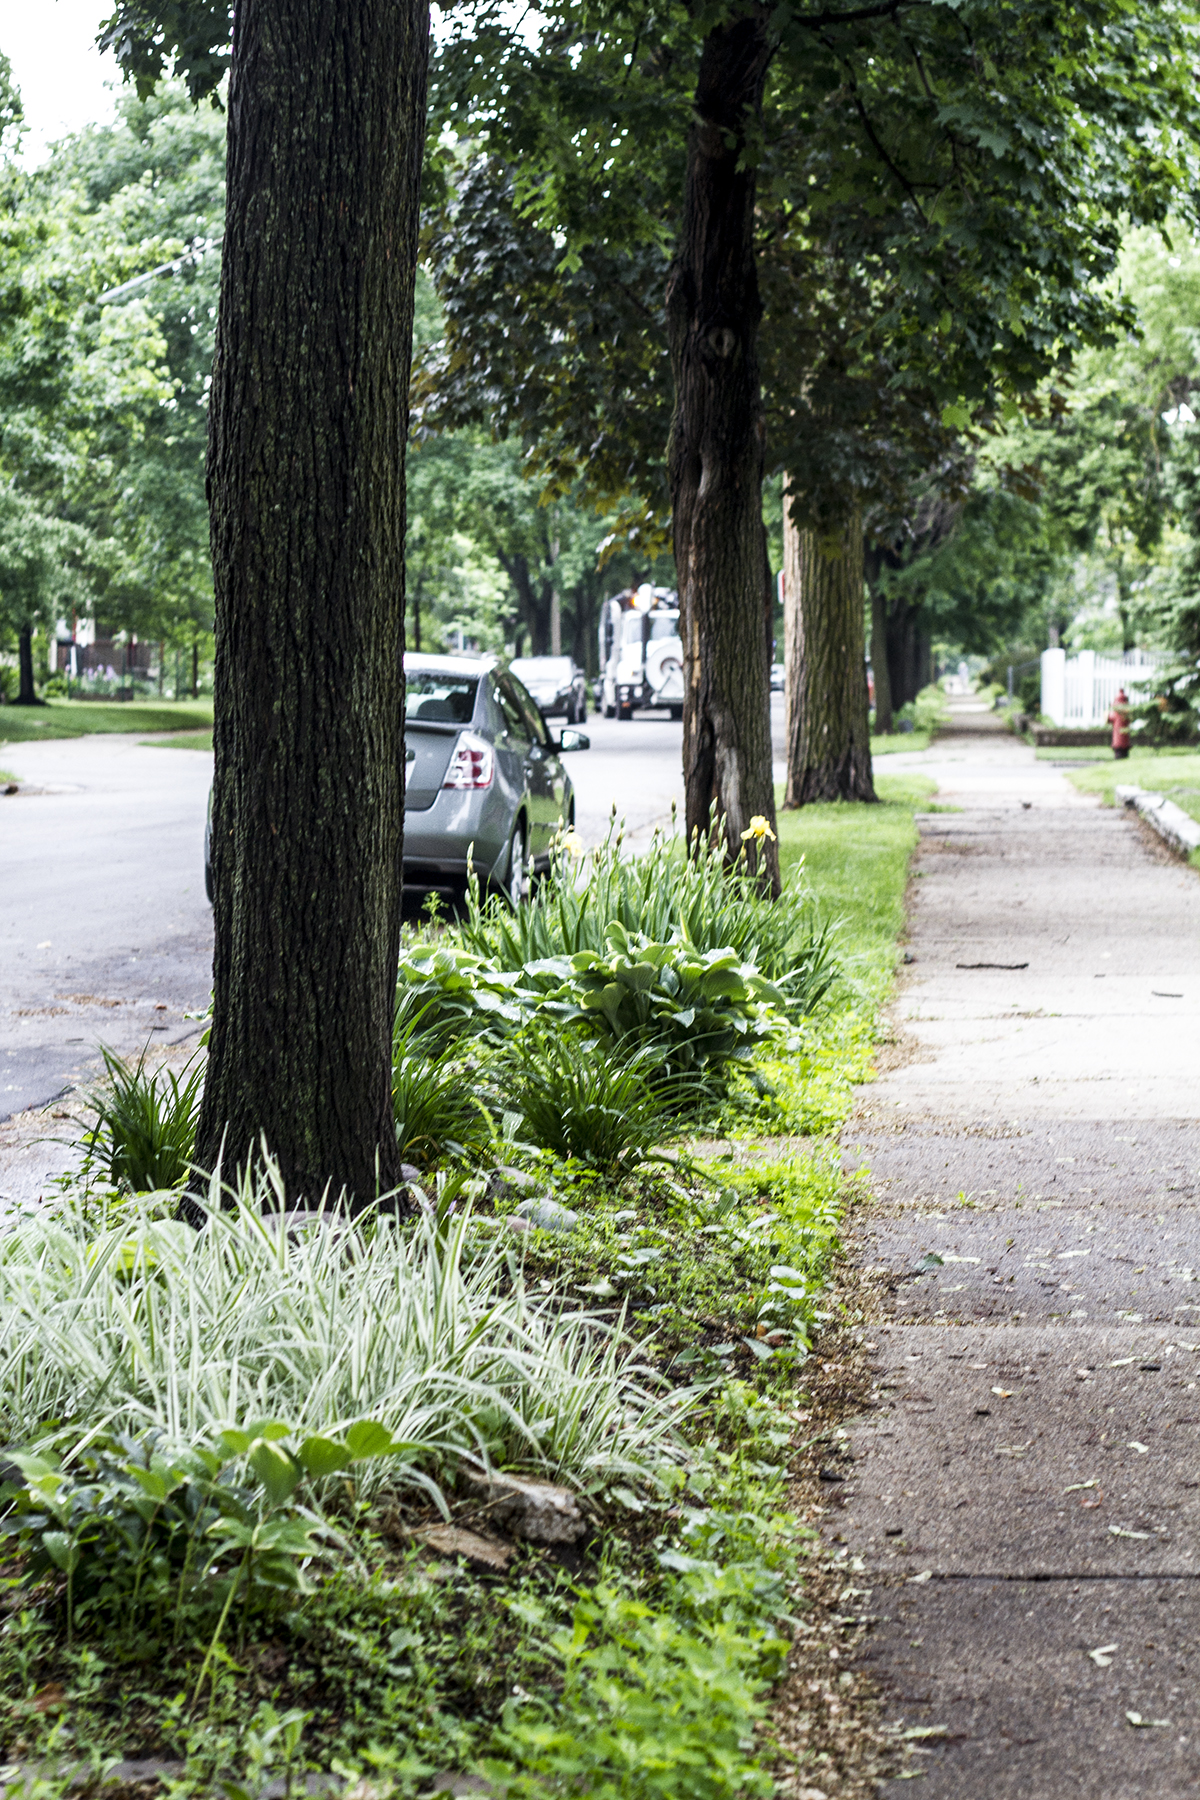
(641,654)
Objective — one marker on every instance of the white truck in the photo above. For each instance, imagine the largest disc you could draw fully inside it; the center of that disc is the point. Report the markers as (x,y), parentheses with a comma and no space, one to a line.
(641,655)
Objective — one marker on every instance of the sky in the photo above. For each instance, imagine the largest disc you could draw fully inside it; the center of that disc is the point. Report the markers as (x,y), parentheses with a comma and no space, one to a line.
(63,78)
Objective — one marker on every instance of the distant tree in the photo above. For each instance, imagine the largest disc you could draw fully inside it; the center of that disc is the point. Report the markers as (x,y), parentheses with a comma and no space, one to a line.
(42,575)
(969,164)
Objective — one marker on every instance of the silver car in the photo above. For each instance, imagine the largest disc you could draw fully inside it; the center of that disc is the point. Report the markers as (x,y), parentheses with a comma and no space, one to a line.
(482,778)
(482,775)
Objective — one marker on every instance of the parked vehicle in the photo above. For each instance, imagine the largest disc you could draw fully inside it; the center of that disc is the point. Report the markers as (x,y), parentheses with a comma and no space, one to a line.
(558,686)
(482,777)
(778,677)
(641,655)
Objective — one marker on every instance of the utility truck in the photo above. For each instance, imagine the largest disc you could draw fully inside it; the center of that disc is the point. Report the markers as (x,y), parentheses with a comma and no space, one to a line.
(641,655)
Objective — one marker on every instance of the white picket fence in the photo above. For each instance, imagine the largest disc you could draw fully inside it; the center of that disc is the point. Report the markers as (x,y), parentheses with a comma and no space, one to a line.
(1078,691)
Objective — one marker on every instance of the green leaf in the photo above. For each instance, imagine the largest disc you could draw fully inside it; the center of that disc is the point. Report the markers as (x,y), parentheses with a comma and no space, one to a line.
(321,1456)
(367,1438)
(64,1554)
(277,1471)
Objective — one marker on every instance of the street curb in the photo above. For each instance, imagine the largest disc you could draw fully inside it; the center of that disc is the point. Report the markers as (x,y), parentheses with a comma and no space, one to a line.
(1170,821)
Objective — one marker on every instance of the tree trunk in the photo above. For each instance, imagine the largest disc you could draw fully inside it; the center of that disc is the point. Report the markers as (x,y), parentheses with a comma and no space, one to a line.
(533,606)
(306,487)
(716,452)
(1125,608)
(828,738)
(26,692)
(872,567)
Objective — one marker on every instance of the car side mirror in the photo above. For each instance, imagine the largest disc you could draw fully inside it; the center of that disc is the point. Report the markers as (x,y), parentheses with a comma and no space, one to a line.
(574,740)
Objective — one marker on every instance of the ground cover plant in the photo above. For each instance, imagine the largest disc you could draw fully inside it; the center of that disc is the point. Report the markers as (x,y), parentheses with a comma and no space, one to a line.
(249,1524)
(82,718)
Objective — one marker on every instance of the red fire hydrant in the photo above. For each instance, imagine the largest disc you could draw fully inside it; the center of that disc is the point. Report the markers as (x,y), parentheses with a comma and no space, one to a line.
(1118,718)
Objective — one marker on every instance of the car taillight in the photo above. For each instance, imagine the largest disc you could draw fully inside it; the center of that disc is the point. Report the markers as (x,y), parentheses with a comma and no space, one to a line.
(471,765)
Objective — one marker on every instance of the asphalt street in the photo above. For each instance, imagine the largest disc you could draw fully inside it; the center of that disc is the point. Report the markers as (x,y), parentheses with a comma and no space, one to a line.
(105,931)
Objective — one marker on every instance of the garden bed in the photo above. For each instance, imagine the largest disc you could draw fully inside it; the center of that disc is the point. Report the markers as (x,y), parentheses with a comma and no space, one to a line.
(263,1532)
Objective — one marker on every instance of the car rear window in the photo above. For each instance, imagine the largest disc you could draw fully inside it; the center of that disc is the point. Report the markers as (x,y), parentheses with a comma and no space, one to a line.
(442,699)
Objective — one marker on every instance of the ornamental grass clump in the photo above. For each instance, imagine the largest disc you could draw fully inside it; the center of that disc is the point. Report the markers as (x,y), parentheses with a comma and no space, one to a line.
(145,1125)
(439,1111)
(424,1327)
(584,1100)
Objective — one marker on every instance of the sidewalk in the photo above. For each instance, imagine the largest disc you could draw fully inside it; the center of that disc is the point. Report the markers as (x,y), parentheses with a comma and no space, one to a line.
(1026,1484)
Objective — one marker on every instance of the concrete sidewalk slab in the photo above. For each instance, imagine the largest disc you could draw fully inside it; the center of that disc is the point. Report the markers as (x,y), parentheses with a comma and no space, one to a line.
(1026,1483)
(936,1163)
(982,1440)
(1003,1667)
(1056,972)
(1046,1267)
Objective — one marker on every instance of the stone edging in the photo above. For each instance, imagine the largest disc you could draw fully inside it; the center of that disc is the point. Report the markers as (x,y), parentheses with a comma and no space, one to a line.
(1170,821)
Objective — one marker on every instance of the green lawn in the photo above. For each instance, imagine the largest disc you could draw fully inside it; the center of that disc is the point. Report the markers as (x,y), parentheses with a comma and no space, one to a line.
(857,861)
(1080,753)
(897,741)
(80,718)
(182,740)
(1175,773)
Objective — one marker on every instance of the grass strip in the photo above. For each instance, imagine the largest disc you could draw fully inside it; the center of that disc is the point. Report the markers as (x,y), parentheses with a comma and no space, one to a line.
(181,740)
(897,742)
(84,718)
(1175,773)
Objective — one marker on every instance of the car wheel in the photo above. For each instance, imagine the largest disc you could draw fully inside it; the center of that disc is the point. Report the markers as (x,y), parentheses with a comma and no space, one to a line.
(517,884)
(581,710)
(677,712)
(610,712)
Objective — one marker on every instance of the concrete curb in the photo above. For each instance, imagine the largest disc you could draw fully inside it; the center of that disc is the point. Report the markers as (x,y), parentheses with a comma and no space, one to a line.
(1170,821)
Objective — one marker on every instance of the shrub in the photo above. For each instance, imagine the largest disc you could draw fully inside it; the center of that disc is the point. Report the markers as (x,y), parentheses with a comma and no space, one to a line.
(698,1007)
(145,1127)
(667,897)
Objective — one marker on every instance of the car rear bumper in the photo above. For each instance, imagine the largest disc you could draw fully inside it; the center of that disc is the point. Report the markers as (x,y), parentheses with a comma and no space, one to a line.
(439,839)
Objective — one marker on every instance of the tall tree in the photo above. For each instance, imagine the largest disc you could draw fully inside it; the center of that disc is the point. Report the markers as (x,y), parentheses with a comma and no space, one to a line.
(308,422)
(828,733)
(42,574)
(970,162)
(717,444)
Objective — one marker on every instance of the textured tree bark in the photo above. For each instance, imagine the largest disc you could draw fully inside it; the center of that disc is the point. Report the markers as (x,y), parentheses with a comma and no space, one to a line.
(828,739)
(306,487)
(716,453)
(26,691)
(872,569)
